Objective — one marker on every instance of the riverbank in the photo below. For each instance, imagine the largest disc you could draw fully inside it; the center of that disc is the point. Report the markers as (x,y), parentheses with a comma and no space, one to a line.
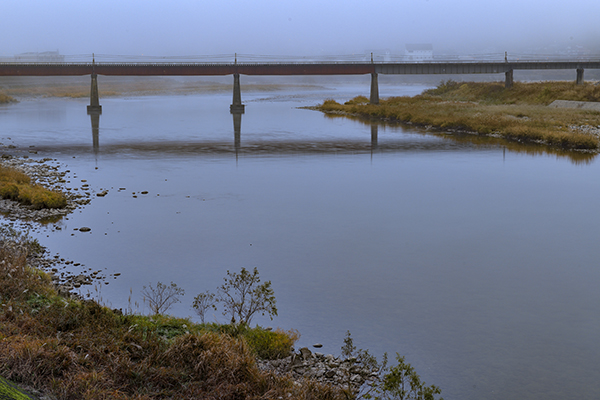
(520,113)
(74,348)
(58,345)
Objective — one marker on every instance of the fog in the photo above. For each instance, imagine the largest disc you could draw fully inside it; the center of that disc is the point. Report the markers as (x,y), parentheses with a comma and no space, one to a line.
(297,27)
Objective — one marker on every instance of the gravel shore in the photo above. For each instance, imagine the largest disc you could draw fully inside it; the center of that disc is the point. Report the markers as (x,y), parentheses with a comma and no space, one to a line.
(49,173)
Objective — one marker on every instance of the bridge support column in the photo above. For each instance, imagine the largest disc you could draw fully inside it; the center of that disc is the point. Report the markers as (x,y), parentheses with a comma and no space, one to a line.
(508,79)
(94,106)
(374,89)
(579,80)
(237,106)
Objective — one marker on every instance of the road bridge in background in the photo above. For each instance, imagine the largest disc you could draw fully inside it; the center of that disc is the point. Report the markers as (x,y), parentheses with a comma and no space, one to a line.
(300,68)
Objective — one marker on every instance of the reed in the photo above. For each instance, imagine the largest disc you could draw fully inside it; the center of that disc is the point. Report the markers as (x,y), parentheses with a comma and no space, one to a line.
(489,109)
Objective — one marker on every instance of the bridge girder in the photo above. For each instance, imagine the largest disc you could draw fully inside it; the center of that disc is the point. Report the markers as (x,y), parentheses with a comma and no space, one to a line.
(180,69)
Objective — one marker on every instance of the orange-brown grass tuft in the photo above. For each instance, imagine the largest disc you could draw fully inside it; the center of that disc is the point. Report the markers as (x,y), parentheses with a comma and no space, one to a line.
(15,185)
(5,99)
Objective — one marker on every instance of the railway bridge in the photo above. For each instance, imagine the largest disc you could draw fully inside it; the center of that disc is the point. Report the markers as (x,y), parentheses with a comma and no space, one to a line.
(291,68)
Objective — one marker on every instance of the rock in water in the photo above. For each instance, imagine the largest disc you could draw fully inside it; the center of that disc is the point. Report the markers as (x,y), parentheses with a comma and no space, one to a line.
(305,353)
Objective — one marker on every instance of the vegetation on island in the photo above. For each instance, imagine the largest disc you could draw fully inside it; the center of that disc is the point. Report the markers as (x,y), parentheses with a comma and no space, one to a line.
(16,185)
(73,348)
(519,113)
(5,99)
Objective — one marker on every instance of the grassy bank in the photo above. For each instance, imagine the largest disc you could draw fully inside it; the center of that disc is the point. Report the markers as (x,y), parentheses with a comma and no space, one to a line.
(15,185)
(78,349)
(5,99)
(519,113)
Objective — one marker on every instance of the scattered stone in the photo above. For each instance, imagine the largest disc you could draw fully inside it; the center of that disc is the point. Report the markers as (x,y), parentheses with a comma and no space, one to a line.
(85,229)
(305,353)
(317,345)
(326,369)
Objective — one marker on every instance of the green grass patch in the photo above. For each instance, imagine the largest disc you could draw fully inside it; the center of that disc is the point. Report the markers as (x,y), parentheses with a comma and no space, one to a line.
(10,391)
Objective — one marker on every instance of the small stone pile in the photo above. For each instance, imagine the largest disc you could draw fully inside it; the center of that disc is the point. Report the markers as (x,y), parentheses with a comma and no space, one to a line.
(588,129)
(66,282)
(322,368)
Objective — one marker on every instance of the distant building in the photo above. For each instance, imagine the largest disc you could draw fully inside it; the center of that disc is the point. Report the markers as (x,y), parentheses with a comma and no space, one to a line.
(418,52)
(43,57)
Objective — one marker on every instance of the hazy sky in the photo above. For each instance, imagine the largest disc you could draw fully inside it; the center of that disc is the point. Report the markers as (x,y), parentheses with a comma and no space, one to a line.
(293,27)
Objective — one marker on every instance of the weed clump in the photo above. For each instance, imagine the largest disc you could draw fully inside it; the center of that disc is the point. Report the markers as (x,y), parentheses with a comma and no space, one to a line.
(5,99)
(15,185)
(357,100)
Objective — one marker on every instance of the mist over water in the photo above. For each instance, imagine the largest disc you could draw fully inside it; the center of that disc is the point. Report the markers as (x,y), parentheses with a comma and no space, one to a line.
(476,260)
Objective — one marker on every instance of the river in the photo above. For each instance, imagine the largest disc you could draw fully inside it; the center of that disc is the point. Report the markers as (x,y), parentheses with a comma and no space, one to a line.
(478,261)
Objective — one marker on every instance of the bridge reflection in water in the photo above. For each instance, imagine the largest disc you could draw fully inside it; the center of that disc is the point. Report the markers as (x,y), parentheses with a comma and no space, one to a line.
(415,141)
(263,147)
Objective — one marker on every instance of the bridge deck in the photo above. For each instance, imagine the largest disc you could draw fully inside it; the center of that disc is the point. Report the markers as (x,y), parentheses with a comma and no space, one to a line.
(342,68)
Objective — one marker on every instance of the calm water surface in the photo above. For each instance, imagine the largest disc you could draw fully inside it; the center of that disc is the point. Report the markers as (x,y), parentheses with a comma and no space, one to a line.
(476,262)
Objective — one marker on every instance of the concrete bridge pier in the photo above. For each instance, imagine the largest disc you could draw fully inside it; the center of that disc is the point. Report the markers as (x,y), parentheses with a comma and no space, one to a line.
(579,80)
(236,106)
(508,79)
(94,106)
(374,89)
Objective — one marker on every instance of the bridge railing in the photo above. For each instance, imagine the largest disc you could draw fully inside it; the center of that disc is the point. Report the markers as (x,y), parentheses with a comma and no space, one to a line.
(253,59)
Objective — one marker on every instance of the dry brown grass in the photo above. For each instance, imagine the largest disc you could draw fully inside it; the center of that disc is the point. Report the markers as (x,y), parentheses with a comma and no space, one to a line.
(489,109)
(77,349)
(15,185)
(542,93)
(5,99)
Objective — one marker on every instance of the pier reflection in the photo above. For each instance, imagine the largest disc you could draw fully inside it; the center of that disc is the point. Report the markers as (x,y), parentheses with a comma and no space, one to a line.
(237,132)
(95,119)
(422,140)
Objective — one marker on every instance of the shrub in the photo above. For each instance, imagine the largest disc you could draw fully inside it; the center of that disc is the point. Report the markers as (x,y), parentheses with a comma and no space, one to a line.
(243,296)
(161,297)
(203,302)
